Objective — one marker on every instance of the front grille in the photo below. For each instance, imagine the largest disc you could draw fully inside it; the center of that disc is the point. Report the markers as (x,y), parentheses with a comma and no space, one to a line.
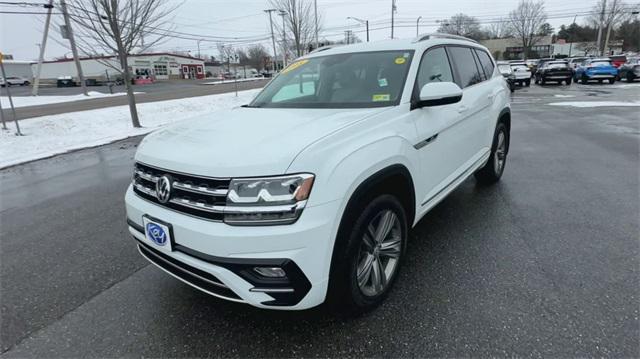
(189,274)
(203,197)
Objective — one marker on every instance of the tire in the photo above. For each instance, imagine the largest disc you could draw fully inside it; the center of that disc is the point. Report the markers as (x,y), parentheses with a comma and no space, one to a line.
(629,77)
(494,168)
(527,82)
(585,80)
(612,81)
(599,81)
(543,81)
(26,83)
(568,81)
(352,288)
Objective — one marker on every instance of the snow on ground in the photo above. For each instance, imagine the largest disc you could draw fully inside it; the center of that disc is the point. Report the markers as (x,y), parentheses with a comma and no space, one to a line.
(50,135)
(626,86)
(586,104)
(24,101)
(564,96)
(232,81)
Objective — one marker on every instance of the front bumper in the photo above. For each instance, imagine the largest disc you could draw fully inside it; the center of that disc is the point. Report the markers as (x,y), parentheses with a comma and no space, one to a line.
(219,259)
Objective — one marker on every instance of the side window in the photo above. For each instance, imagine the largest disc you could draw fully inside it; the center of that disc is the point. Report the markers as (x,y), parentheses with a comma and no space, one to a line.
(465,65)
(434,67)
(483,76)
(486,62)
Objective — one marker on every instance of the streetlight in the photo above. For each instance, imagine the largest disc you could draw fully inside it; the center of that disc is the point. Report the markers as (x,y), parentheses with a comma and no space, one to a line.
(198,42)
(365,22)
(418,25)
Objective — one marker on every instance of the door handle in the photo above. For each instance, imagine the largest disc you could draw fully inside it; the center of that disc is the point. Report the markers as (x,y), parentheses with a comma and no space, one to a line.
(462,109)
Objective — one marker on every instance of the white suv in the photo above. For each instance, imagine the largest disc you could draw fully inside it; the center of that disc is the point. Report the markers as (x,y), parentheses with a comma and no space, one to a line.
(307,194)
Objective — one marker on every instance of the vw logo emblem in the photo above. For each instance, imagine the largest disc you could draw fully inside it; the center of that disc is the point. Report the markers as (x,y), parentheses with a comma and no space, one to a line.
(156,234)
(163,189)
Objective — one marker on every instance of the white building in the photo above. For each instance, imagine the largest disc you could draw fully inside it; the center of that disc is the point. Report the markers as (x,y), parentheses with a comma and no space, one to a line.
(15,68)
(157,66)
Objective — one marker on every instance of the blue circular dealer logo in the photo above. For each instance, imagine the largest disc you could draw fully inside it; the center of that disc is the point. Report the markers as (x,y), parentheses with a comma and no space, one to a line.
(156,234)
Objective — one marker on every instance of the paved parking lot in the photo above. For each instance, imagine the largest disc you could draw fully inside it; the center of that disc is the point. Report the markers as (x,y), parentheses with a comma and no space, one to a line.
(544,264)
(159,91)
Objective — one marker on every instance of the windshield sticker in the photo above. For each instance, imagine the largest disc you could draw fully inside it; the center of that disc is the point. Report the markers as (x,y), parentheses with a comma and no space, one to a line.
(294,66)
(381,97)
(400,60)
(383,83)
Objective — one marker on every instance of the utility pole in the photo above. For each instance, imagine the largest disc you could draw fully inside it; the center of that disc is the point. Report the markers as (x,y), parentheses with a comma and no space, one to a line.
(571,43)
(72,41)
(418,26)
(393,10)
(599,42)
(273,39)
(284,39)
(315,15)
(43,45)
(13,109)
(612,16)
(365,22)
(198,42)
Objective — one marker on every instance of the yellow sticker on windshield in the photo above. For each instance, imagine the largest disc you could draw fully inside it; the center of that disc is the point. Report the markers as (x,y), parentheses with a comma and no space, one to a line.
(294,66)
(400,60)
(381,97)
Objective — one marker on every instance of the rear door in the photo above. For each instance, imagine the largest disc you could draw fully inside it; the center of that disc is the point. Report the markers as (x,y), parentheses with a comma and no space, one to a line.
(475,105)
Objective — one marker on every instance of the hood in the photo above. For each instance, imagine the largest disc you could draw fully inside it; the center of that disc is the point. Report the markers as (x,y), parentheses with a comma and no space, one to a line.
(243,141)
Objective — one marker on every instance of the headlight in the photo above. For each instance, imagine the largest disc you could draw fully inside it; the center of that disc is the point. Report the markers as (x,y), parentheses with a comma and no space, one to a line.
(268,200)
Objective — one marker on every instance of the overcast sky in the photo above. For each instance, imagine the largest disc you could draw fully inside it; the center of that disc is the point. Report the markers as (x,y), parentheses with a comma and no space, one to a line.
(246,21)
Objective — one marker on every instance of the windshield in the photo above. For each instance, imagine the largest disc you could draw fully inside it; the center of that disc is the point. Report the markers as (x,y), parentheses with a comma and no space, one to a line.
(352,80)
(556,65)
(601,63)
(505,69)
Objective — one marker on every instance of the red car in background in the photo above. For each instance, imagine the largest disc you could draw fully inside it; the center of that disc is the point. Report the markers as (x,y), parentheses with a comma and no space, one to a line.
(618,60)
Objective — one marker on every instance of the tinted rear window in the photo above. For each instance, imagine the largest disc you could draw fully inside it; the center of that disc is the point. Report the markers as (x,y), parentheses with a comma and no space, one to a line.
(485,62)
(465,64)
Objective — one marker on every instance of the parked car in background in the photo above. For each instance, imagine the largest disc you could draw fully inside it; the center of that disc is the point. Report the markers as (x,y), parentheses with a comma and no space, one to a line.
(532,64)
(630,70)
(509,76)
(539,64)
(574,62)
(618,60)
(14,81)
(554,71)
(522,73)
(599,69)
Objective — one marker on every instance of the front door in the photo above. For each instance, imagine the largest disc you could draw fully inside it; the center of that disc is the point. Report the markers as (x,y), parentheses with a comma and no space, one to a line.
(438,128)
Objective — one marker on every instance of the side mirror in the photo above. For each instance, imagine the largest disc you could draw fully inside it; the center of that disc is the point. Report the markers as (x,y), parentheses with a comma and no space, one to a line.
(438,94)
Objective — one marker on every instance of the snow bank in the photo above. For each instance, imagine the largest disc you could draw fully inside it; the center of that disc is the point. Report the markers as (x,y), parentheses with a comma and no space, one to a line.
(24,101)
(586,104)
(50,135)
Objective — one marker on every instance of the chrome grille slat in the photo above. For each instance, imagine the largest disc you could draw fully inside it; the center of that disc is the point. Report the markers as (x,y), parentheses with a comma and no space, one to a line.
(194,195)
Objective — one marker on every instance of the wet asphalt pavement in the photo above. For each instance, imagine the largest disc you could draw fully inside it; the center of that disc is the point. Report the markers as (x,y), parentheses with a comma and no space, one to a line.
(546,263)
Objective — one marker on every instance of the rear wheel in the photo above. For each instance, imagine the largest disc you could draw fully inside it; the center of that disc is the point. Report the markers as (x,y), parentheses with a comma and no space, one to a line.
(493,169)
(629,77)
(611,81)
(364,273)
(527,82)
(585,80)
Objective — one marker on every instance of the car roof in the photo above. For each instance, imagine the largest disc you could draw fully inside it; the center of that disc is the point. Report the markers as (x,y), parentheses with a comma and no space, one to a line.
(518,63)
(419,43)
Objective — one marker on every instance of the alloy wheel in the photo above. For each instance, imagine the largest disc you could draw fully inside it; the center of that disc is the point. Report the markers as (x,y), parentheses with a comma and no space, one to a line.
(379,253)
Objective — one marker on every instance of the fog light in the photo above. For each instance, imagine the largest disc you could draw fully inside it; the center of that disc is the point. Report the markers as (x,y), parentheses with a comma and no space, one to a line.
(270,272)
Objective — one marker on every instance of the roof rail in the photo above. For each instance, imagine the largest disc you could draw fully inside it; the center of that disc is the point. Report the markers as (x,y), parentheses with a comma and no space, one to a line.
(439,35)
(323,48)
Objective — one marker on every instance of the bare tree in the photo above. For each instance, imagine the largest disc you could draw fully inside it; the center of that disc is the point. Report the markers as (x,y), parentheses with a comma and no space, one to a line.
(499,29)
(118,27)
(299,22)
(526,21)
(461,24)
(256,55)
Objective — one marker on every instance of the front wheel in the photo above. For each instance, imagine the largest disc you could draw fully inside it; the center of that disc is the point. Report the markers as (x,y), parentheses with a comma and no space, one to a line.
(364,272)
(568,81)
(612,81)
(527,83)
(493,169)
(629,77)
